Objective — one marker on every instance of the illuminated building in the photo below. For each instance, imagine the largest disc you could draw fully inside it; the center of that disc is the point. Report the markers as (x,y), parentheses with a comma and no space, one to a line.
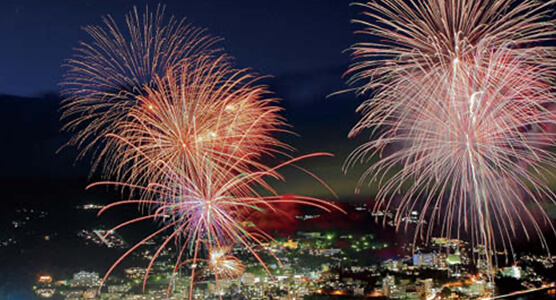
(135,272)
(388,285)
(331,251)
(424,288)
(392,265)
(92,206)
(248,279)
(454,259)
(74,295)
(45,279)
(85,278)
(90,294)
(307,217)
(309,235)
(423,259)
(118,289)
(45,292)
(513,272)
(290,244)
(440,261)
(102,238)
(478,288)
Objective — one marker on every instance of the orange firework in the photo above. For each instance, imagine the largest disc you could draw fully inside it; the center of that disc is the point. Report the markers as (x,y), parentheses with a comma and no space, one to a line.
(106,75)
(202,110)
(224,265)
(218,262)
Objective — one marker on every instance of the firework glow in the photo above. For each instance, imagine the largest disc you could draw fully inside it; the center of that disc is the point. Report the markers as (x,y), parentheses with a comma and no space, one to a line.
(223,264)
(460,116)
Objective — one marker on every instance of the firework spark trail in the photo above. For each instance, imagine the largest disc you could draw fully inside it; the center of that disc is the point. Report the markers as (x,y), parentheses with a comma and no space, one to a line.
(201,110)
(210,209)
(467,151)
(106,75)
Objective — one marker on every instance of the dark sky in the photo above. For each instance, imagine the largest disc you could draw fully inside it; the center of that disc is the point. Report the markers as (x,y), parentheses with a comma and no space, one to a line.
(273,37)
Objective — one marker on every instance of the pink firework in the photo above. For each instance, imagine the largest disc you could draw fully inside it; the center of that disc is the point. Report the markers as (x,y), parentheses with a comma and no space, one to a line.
(208,211)
(461,113)
(471,146)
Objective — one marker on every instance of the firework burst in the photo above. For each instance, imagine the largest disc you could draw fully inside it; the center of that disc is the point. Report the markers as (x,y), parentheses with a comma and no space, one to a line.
(105,75)
(171,121)
(472,146)
(224,265)
(460,115)
(201,111)
(218,263)
(207,212)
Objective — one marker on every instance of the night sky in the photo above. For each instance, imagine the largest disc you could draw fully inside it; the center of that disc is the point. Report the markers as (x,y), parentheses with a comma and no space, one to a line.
(272,37)
(301,44)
